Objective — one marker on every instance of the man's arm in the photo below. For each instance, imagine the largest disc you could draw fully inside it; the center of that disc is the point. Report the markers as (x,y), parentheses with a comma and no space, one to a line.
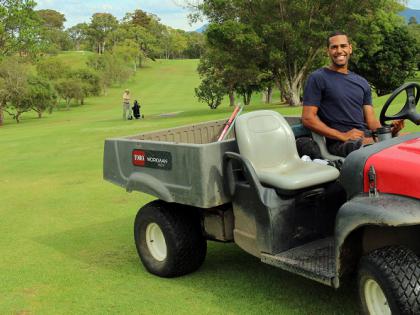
(370,118)
(373,123)
(311,121)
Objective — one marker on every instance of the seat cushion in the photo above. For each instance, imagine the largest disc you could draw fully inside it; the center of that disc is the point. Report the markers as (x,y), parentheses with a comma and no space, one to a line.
(298,175)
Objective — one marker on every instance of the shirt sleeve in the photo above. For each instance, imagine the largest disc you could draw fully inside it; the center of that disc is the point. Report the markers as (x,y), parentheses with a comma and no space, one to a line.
(367,97)
(313,92)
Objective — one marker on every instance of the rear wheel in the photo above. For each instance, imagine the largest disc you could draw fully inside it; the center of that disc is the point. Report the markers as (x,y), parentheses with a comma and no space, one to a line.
(389,282)
(169,238)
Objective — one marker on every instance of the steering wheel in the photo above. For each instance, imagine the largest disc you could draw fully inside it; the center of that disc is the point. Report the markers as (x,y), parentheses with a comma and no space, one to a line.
(409,110)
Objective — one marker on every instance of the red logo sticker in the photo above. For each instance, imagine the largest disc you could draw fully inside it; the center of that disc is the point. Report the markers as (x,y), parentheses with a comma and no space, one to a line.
(139,157)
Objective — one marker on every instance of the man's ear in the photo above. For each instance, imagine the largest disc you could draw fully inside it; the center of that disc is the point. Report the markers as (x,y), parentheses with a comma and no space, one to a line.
(351,49)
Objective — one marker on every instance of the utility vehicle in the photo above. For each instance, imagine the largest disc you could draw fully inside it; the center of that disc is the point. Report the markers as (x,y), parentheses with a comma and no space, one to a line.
(319,221)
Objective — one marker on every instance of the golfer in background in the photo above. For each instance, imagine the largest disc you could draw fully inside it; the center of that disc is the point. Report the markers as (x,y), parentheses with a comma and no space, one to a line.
(126,105)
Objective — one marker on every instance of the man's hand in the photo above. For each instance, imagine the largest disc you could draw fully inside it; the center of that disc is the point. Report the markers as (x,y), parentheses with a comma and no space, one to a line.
(397,126)
(353,134)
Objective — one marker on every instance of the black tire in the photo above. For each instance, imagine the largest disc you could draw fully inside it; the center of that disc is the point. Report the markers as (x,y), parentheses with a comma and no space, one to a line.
(396,270)
(180,225)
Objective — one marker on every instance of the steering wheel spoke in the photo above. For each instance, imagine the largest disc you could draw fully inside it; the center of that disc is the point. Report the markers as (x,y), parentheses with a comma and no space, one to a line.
(409,109)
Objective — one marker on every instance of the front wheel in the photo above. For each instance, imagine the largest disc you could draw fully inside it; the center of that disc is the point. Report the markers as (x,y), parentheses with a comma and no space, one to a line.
(169,239)
(389,282)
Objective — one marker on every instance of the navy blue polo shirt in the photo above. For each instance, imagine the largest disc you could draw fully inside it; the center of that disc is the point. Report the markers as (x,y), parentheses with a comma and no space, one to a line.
(339,97)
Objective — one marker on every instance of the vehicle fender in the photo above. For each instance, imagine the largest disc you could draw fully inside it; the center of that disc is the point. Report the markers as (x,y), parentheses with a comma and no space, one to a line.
(384,210)
(149,185)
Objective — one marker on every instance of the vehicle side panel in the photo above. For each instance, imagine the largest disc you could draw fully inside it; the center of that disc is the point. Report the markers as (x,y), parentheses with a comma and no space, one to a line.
(397,169)
(352,172)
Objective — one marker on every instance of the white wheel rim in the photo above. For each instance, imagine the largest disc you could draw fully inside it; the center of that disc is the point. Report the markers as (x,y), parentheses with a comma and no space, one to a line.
(376,301)
(156,242)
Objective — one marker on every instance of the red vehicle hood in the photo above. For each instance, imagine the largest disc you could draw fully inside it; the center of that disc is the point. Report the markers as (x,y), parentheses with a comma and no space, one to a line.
(397,169)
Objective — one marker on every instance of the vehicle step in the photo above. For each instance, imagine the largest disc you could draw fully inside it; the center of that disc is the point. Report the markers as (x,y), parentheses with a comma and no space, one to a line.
(314,260)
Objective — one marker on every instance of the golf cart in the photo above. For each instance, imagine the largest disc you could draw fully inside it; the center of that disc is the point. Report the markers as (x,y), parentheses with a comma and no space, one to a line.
(253,189)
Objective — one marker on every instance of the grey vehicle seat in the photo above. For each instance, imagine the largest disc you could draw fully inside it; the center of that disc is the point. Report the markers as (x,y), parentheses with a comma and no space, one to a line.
(321,142)
(265,138)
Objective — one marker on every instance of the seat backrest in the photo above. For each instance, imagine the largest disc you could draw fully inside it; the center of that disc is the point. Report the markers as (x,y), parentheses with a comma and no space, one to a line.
(265,138)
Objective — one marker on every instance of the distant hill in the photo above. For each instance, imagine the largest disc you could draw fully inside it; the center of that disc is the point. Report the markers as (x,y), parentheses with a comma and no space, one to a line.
(202,29)
(407,13)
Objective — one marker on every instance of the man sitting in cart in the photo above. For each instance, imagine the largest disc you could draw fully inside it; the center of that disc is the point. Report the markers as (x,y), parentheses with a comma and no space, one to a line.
(337,103)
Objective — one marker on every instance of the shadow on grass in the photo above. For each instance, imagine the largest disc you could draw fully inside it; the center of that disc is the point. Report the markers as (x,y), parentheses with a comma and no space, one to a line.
(237,282)
(108,245)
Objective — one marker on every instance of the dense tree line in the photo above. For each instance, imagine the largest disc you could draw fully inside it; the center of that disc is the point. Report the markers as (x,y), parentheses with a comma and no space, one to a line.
(258,45)
(32,79)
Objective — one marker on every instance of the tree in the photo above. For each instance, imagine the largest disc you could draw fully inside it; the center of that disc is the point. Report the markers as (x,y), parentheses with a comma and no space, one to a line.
(195,45)
(233,56)
(291,33)
(414,30)
(412,20)
(173,43)
(13,87)
(69,89)
(40,95)
(19,28)
(90,80)
(210,91)
(139,18)
(111,68)
(78,34)
(101,25)
(52,68)
(389,66)
(51,18)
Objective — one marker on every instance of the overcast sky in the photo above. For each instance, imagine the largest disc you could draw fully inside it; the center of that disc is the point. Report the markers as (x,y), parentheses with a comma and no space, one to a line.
(170,12)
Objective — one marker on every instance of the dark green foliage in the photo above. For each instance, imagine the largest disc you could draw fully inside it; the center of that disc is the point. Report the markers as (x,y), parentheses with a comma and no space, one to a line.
(69,89)
(195,45)
(52,68)
(13,88)
(234,52)
(91,82)
(211,91)
(414,30)
(91,78)
(389,66)
(40,95)
(111,68)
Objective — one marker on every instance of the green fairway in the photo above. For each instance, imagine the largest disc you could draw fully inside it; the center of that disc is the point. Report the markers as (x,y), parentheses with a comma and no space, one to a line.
(67,245)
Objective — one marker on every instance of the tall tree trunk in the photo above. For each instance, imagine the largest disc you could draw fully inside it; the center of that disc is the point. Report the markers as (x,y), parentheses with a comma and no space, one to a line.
(231,98)
(1,115)
(292,90)
(269,95)
(290,83)
(247,98)
(17,116)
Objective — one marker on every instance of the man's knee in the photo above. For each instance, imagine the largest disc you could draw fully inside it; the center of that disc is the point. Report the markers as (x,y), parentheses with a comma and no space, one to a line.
(345,148)
(307,146)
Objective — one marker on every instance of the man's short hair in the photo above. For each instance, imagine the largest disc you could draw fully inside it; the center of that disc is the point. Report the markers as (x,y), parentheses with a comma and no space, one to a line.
(336,33)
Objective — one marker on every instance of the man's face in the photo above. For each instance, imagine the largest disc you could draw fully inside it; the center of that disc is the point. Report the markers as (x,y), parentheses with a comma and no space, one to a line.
(339,50)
